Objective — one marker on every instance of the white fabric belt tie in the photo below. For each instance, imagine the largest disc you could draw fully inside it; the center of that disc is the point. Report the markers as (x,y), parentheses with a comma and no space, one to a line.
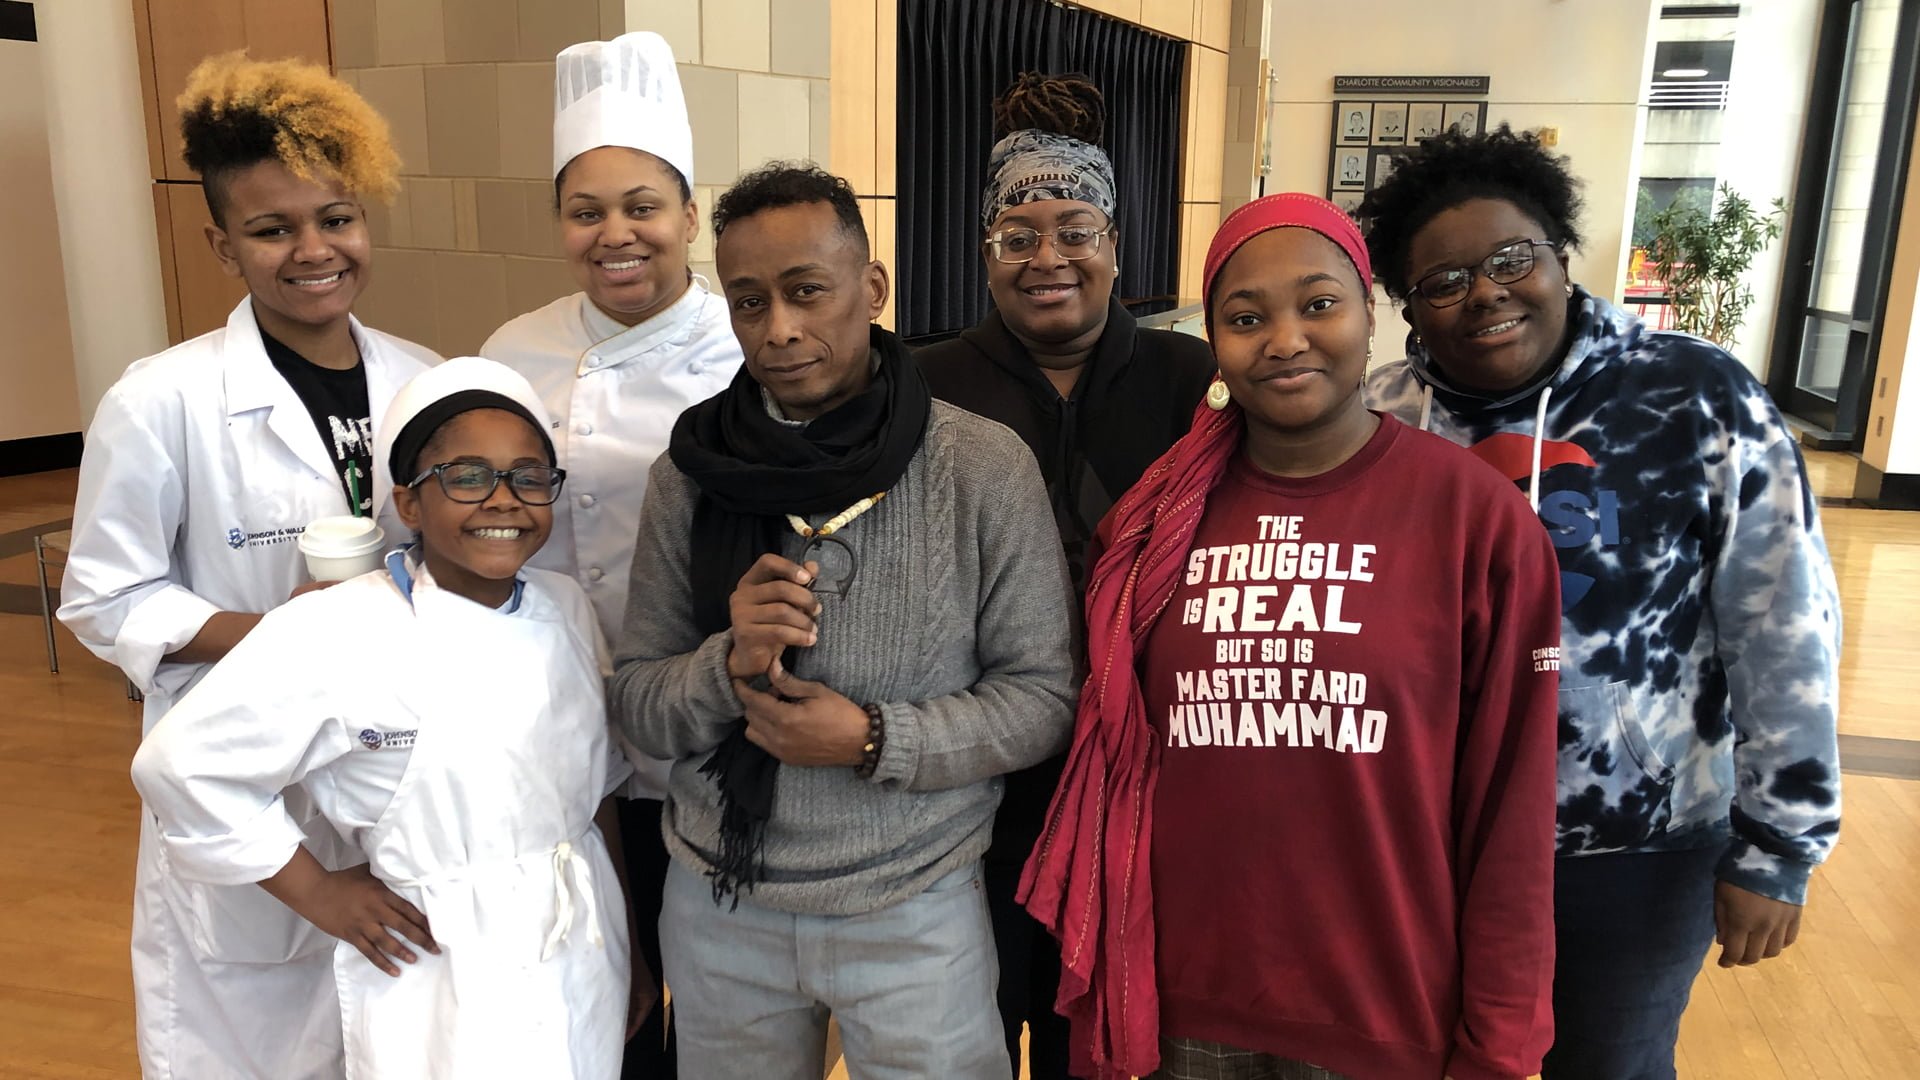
(570,872)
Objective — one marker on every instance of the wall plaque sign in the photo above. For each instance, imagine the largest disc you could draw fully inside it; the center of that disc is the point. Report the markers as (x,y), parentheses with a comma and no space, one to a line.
(1412,84)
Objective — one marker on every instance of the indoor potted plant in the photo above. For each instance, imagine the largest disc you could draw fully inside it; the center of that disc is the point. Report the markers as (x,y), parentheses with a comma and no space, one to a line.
(1701,254)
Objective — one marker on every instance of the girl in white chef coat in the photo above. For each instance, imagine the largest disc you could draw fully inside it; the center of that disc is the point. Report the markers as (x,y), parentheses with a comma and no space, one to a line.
(617,362)
(460,743)
(202,466)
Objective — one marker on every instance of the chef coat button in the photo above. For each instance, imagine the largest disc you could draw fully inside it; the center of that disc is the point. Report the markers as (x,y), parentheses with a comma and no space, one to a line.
(583,428)
(593,361)
(696,368)
(586,500)
(595,574)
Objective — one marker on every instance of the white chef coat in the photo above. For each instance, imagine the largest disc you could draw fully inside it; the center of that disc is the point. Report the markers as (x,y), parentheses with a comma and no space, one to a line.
(201,469)
(466,763)
(614,392)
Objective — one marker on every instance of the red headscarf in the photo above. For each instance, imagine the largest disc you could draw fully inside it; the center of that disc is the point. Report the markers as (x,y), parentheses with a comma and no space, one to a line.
(1089,880)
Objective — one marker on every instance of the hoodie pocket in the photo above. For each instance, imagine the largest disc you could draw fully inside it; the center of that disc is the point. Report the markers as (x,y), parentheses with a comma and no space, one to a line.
(1615,791)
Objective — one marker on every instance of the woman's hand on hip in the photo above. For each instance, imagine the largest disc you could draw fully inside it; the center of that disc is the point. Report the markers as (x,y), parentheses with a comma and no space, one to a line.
(355,907)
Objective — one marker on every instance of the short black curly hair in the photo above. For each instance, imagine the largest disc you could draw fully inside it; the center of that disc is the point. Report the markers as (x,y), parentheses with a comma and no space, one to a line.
(790,183)
(1453,168)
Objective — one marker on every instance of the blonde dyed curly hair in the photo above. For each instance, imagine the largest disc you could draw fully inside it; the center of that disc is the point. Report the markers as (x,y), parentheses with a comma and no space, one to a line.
(237,112)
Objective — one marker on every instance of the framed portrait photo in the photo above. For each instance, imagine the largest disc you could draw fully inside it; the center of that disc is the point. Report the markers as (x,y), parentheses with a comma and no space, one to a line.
(1348,201)
(1425,119)
(1466,117)
(1350,169)
(1389,124)
(1352,122)
(1380,165)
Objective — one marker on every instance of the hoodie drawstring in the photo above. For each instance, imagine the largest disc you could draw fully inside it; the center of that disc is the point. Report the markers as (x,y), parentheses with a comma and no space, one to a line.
(1539,434)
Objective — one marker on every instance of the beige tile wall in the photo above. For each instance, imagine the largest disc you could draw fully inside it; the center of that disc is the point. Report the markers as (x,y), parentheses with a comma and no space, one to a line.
(755,74)
(468,87)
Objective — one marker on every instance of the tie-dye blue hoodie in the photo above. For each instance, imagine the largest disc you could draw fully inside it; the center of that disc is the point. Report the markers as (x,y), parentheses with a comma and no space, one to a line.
(1700,633)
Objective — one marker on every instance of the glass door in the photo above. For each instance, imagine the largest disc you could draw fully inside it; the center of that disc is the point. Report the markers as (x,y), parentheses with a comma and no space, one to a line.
(1841,236)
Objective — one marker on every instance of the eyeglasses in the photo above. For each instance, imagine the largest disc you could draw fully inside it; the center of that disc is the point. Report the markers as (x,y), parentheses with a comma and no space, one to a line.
(1445,288)
(1070,242)
(472,482)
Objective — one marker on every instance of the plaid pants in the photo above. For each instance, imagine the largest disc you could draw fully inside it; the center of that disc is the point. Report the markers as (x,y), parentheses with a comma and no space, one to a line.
(1197,1059)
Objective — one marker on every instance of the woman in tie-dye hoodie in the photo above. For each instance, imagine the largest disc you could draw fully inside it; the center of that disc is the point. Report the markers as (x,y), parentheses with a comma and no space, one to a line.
(1699,777)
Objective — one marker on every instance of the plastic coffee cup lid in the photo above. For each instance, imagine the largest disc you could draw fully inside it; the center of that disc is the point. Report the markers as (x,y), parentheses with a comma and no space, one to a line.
(342,537)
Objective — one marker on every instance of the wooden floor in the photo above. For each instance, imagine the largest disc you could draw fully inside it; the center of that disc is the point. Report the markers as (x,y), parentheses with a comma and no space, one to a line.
(1843,1003)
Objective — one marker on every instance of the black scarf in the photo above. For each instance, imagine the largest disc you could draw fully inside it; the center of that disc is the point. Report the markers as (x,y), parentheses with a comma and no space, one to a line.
(752,471)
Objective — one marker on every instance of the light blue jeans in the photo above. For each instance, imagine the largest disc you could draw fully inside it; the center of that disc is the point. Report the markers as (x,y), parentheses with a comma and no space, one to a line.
(912,985)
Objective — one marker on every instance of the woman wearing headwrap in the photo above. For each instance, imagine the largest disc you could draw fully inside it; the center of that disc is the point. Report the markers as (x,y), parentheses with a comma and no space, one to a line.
(462,747)
(616,363)
(1307,816)
(203,466)
(1095,398)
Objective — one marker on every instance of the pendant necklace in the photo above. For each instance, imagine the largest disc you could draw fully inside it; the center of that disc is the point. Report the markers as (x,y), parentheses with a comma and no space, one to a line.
(835,559)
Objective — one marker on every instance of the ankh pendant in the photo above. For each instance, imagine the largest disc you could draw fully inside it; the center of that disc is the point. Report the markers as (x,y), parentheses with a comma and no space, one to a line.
(836,561)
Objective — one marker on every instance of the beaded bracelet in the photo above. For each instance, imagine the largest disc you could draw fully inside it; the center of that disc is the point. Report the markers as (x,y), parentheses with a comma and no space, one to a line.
(876,742)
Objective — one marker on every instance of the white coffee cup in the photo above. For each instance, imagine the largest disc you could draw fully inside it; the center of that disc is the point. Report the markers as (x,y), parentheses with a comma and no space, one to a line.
(338,548)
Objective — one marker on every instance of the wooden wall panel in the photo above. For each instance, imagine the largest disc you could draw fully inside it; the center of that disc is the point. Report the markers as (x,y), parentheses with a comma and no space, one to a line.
(886,51)
(277,28)
(184,32)
(206,295)
(143,49)
(169,276)
(171,37)
(1204,140)
(852,97)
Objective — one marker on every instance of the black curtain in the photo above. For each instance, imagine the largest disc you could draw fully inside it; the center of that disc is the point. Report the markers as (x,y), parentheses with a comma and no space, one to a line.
(956,56)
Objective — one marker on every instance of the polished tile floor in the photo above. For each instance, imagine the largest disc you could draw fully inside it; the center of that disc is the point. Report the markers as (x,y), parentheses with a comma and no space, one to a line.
(1843,1003)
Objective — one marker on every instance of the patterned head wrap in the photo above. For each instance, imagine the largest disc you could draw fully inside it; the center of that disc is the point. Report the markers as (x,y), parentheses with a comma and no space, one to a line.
(1033,165)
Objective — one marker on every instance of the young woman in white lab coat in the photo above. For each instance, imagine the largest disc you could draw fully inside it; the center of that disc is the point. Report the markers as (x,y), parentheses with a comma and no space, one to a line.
(617,362)
(461,745)
(202,466)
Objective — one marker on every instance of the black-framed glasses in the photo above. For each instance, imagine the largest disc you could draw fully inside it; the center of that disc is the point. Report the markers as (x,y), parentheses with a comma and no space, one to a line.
(1445,288)
(473,482)
(1070,242)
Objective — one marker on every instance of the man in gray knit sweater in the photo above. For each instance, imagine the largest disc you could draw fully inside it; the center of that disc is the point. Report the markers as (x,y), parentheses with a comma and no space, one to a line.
(848,621)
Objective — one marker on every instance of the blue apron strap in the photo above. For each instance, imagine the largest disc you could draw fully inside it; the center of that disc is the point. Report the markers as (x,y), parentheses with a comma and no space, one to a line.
(403,579)
(397,569)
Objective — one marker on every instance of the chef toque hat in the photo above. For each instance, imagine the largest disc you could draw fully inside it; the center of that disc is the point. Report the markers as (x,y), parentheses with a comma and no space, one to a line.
(624,92)
(444,391)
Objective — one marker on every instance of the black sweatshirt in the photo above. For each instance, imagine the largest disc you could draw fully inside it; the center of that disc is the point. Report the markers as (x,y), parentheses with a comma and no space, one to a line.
(1134,399)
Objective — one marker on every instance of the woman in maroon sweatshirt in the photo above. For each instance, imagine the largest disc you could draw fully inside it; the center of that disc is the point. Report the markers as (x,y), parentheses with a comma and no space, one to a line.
(1308,812)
